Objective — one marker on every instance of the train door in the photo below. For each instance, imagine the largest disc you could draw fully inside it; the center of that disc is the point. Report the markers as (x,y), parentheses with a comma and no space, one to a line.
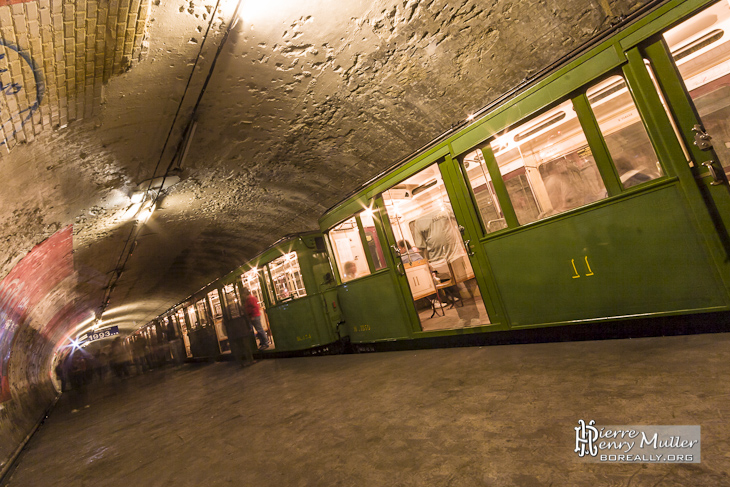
(220,329)
(691,64)
(251,281)
(433,256)
(184,331)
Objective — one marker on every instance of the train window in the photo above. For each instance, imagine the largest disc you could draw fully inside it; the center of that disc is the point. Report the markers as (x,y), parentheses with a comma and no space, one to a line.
(231,300)
(216,311)
(658,89)
(192,317)
(547,165)
(250,280)
(184,331)
(702,54)
(287,277)
(349,252)
(202,313)
(624,133)
(372,240)
(319,244)
(180,315)
(486,198)
(215,304)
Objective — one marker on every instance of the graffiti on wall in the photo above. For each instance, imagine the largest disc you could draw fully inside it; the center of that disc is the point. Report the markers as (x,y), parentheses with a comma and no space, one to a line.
(20,96)
(49,263)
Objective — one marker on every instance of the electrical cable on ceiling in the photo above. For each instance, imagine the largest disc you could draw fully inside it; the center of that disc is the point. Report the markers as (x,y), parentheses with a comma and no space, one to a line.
(133,234)
(185,92)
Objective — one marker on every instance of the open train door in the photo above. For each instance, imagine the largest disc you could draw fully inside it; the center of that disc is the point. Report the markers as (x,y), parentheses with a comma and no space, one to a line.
(436,260)
(690,62)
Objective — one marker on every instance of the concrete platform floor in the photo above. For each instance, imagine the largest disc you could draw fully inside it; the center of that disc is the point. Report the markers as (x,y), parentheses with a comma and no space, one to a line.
(492,416)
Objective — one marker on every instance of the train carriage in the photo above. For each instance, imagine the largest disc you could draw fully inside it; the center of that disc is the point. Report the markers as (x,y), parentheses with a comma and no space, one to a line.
(599,193)
(197,328)
(596,193)
(294,283)
(294,290)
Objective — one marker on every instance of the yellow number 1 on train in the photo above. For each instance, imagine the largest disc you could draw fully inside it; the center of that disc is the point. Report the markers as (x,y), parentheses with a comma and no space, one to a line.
(588,266)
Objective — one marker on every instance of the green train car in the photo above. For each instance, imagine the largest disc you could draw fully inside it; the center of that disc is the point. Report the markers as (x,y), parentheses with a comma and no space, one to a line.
(599,193)
(294,290)
(294,283)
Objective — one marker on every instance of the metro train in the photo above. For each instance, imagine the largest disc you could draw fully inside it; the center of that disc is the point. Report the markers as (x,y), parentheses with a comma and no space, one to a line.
(597,193)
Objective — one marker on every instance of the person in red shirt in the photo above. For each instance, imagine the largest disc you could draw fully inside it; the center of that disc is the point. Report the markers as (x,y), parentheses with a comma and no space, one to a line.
(253,310)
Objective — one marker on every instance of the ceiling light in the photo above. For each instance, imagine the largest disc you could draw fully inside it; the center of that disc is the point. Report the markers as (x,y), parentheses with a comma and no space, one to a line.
(146,214)
(132,211)
(137,196)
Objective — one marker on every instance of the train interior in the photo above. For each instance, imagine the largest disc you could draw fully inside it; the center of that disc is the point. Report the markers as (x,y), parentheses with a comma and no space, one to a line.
(701,50)
(432,253)
(216,312)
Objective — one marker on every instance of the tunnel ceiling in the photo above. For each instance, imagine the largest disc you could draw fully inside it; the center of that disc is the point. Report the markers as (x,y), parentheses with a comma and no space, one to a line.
(307,99)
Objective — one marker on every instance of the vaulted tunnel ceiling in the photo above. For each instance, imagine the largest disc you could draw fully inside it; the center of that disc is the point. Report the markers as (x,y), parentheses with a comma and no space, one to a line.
(307,100)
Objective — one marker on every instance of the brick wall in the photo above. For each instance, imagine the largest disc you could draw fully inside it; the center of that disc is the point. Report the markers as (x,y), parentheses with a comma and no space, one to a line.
(63,52)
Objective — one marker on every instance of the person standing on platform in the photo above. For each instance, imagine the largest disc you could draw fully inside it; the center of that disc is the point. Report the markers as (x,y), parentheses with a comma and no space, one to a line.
(119,359)
(253,310)
(62,371)
(80,375)
(239,336)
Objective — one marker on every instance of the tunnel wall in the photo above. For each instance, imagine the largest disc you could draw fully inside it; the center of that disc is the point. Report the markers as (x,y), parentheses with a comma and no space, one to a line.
(34,305)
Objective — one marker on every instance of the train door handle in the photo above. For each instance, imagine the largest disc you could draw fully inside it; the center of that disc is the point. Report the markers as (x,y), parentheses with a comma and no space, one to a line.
(399,266)
(467,245)
(717,176)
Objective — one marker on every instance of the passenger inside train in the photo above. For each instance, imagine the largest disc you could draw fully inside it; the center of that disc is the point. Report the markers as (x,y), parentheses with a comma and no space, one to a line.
(407,254)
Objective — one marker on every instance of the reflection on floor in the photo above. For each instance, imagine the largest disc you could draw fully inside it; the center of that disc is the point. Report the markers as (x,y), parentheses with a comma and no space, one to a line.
(450,316)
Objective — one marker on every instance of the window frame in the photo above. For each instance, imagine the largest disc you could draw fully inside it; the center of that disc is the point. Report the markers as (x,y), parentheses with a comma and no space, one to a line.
(209,302)
(273,291)
(375,209)
(228,306)
(204,320)
(596,143)
(194,324)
